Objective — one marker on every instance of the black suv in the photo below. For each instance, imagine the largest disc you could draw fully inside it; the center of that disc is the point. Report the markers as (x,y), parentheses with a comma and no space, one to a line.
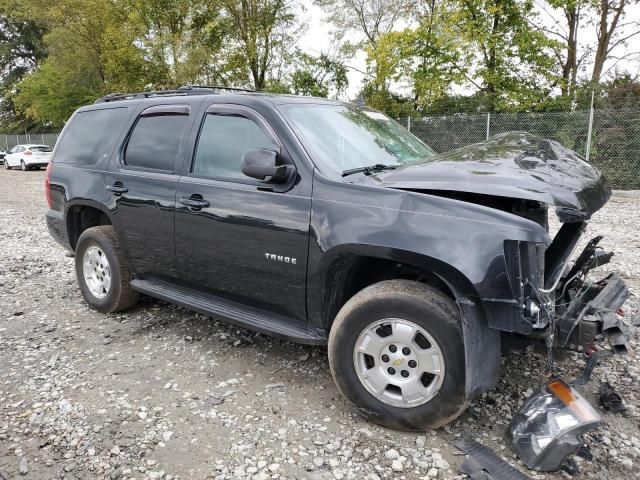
(325,222)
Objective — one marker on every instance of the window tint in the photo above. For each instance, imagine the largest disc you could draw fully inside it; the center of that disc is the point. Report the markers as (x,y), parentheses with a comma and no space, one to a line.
(40,148)
(223,141)
(155,141)
(90,136)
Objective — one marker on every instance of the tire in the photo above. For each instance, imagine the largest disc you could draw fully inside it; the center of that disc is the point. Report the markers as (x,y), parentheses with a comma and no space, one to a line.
(119,296)
(23,166)
(407,303)
(6,165)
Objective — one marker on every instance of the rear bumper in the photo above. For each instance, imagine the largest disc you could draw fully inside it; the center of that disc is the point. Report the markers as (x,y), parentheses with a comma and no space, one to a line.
(36,163)
(58,228)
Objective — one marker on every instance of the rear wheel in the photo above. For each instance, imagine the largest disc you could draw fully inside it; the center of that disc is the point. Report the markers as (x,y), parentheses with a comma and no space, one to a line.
(23,166)
(396,351)
(102,271)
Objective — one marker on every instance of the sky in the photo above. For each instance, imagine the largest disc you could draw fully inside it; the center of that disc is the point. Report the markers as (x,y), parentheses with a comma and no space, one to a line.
(317,39)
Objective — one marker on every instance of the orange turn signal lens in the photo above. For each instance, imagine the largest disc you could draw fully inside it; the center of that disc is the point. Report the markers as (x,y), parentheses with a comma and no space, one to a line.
(578,406)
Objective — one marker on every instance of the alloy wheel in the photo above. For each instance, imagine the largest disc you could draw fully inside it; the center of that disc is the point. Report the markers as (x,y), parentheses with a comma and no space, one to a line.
(399,362)
(96,271)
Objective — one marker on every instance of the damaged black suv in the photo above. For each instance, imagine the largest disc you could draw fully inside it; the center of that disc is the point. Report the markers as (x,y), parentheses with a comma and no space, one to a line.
(324,222)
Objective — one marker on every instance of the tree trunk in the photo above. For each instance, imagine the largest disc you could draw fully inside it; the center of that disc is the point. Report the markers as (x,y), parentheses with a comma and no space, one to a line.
(492,62)
(570,67)
(605,33)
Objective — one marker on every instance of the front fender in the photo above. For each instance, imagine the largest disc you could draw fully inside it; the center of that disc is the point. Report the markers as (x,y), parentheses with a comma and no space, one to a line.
(462,243)
(454,236)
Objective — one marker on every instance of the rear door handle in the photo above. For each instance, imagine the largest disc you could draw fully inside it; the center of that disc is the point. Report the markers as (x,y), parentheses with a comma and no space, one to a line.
(117,188)
(195,202)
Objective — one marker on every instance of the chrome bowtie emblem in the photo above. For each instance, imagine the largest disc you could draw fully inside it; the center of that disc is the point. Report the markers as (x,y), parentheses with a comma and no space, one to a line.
(280,258)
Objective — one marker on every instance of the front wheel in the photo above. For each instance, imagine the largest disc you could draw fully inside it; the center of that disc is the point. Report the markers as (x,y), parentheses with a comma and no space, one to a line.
(396,351)
(23,166)
(102,271)
(6,164)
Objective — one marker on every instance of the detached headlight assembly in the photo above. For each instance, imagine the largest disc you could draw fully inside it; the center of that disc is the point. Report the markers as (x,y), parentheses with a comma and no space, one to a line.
(548,427)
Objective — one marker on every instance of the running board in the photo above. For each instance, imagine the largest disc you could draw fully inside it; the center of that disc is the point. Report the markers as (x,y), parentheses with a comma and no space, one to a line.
(234,312)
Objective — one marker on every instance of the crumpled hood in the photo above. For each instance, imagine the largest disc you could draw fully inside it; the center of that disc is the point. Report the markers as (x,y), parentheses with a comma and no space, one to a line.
(515,165)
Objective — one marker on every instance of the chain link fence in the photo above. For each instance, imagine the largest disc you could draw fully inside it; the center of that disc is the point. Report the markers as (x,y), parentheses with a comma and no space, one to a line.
(615,135)
(614,145)
(7,142)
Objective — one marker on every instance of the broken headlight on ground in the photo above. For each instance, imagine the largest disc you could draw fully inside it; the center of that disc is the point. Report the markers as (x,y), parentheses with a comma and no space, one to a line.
(548,427)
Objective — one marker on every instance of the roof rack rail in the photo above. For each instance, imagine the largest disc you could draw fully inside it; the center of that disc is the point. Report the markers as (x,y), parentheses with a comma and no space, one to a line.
(182,91)
(217,87)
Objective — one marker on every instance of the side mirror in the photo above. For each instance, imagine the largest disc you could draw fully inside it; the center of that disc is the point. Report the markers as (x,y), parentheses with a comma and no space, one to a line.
(263,165)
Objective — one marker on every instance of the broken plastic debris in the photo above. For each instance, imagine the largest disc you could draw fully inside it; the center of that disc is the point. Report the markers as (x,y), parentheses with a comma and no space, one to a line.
(610,399)
(484,464)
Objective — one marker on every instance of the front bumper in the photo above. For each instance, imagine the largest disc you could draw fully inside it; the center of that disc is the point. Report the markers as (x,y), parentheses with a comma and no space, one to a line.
(555,296)
(592,313)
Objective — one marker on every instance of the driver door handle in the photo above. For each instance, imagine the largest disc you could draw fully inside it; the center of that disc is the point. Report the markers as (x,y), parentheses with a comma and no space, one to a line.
(195,202)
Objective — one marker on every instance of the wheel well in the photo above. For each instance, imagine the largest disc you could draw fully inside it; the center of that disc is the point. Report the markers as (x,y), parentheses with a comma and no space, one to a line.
(81,217)
(351,274)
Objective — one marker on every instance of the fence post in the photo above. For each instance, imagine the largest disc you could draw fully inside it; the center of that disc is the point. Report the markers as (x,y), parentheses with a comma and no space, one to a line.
(588,149)
(409,123)
(488,123)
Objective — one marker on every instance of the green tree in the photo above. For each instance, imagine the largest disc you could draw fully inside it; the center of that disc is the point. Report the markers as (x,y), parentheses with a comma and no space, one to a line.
(427,58)
(514,68)
(91,52)
(580,47)
(257,36)
(172,35)
(21,50)
(369,18)
(318,76)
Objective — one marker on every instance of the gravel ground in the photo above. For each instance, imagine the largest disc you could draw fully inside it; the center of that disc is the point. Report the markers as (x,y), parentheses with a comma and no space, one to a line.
(160,392)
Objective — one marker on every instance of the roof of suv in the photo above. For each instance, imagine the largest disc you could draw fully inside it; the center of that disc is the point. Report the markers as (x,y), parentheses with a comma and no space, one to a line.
(219,92)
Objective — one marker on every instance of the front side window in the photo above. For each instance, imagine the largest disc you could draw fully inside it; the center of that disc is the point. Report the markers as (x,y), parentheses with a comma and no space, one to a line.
(155,141)
(223,141)
(346,137)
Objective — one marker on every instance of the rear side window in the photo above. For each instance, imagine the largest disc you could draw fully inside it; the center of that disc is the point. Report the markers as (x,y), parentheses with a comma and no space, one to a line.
(90,136)
(155,141)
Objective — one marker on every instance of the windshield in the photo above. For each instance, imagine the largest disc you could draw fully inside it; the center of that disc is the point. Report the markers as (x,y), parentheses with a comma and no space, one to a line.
(348,137)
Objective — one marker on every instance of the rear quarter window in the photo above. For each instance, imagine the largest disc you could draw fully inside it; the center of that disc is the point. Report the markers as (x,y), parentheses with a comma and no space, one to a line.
(90,136)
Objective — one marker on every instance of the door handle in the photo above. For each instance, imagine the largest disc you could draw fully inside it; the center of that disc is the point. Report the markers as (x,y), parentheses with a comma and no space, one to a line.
(117,188)
(194,202)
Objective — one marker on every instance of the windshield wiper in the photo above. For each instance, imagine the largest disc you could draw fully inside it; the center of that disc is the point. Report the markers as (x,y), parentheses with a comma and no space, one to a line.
(370,169)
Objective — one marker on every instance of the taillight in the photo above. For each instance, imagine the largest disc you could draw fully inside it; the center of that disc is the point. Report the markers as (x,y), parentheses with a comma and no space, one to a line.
(27,152)
(47,185)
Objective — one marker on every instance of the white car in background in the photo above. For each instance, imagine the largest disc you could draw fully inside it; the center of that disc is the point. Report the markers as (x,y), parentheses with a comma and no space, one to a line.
(28,156)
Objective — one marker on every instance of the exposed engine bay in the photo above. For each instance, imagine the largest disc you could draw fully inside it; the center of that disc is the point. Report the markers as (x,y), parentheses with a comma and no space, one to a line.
(573,308)
(557,297)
